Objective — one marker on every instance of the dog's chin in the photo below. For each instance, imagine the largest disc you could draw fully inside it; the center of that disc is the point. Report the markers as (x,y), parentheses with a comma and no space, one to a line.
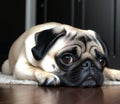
(86,83)
(82,81)
(89,82)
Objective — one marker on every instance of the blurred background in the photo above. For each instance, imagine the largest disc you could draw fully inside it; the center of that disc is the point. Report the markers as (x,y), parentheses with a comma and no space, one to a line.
(103,16)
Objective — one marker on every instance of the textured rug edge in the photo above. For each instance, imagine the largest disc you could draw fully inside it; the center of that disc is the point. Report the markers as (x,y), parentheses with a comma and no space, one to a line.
(8,79)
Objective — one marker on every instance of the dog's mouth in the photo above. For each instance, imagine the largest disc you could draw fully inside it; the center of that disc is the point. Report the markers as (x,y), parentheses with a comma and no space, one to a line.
(89,82)
(84,80)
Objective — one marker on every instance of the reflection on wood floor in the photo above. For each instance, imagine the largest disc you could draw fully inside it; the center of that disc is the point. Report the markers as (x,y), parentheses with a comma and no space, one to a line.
(19,94)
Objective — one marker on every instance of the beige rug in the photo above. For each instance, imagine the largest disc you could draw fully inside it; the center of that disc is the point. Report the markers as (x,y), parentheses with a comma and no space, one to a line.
(7,79)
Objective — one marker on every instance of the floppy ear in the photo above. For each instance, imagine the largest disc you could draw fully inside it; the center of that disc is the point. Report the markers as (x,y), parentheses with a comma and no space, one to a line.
(44,41)
(103,43)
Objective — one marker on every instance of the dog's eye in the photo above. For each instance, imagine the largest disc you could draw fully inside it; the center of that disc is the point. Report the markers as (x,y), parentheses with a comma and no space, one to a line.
(67,59)
(102,61)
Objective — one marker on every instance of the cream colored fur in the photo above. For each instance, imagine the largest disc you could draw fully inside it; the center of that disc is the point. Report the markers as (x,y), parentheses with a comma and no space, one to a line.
(22,65)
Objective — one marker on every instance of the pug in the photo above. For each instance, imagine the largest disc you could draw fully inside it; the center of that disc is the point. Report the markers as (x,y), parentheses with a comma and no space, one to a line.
(56,54)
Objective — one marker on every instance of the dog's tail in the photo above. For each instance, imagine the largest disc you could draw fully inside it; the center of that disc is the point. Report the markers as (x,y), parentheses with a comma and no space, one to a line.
(5,67)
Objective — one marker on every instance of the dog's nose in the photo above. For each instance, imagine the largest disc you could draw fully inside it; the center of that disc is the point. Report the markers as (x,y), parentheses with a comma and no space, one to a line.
(88,64)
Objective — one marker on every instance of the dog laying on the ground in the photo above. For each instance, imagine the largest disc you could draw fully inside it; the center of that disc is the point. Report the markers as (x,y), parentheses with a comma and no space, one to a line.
(58,54)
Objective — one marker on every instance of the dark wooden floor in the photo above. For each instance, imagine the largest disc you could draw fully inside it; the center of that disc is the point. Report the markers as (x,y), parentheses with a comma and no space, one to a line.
(19,94)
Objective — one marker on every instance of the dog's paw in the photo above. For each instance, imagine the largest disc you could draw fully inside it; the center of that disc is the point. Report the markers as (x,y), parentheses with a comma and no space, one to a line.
(47,79)
(112,74)
(50,81)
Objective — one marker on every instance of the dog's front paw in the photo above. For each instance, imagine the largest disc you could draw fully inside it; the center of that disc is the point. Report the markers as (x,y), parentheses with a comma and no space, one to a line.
(112,74)
(47,79)
(50,81)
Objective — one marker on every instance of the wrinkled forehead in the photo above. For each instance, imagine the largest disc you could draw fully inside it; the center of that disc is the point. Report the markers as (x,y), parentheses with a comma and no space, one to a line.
(86,40)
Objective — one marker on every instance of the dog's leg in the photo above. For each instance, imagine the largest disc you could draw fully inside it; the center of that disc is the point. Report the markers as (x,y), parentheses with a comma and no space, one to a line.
(24,70)
(111,74)
(28,72)
(45,78)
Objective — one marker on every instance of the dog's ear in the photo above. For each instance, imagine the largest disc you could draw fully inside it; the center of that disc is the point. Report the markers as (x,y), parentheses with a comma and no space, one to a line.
(44,41)
(103,43)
